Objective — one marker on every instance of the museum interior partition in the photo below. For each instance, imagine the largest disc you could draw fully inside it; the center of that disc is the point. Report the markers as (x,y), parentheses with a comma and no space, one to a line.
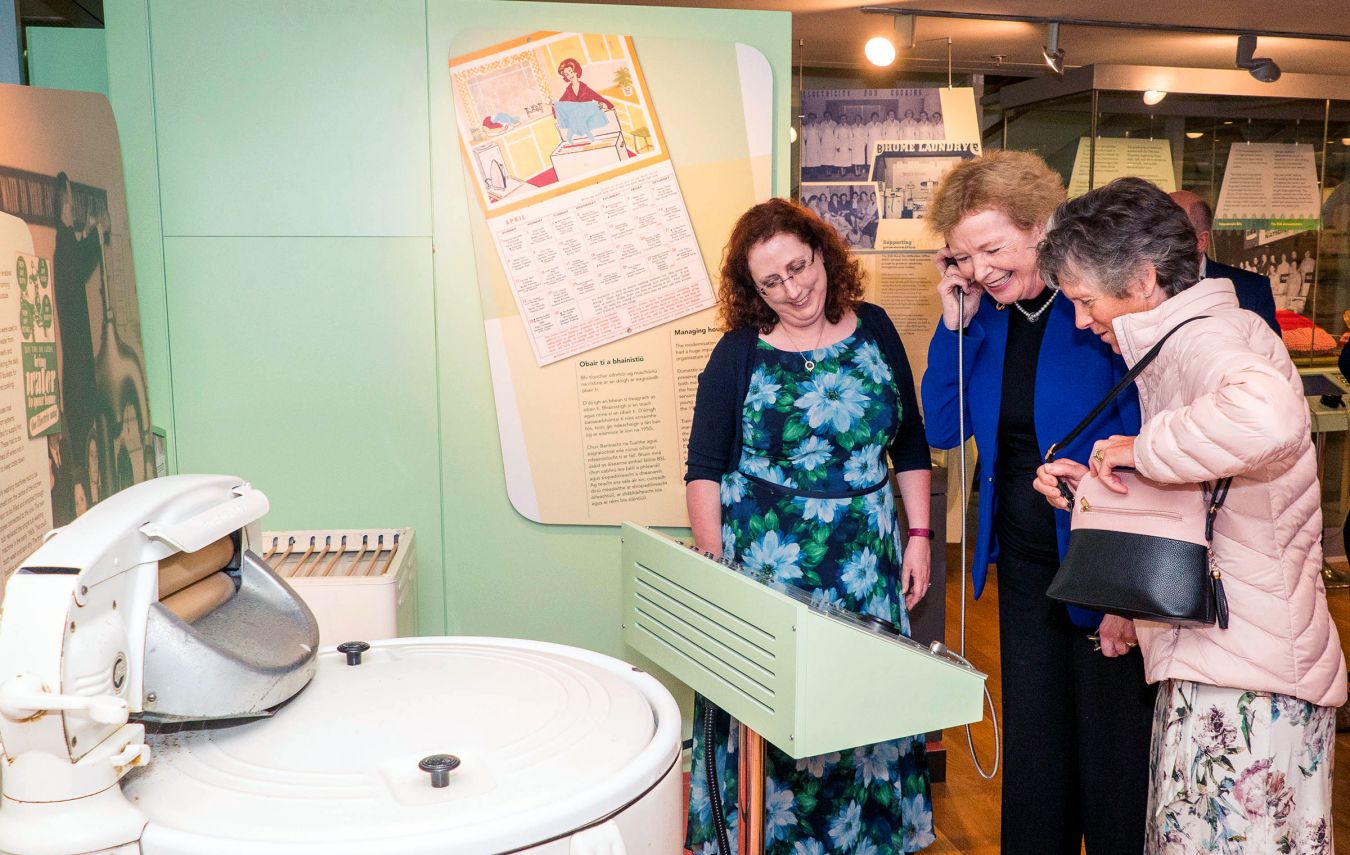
(309,290)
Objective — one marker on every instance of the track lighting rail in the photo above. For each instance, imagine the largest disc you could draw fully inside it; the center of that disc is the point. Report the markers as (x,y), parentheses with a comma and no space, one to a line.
(1095,22)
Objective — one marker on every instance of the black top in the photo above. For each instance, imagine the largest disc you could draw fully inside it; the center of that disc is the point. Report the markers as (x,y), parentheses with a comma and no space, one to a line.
(75,259)
(1024,522)
(715,435)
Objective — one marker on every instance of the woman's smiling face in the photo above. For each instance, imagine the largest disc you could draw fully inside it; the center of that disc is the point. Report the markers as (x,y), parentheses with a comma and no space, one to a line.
(991,251)
(790,277)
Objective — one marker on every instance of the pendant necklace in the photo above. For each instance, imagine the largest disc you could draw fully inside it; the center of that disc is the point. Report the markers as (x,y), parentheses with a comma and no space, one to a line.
(809,363)
(1033,317)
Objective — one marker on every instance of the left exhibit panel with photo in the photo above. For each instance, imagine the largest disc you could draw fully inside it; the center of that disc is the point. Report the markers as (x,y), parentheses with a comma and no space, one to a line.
(74,414)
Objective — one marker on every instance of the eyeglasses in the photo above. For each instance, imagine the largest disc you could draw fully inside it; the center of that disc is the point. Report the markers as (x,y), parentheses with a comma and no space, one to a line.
(795,269)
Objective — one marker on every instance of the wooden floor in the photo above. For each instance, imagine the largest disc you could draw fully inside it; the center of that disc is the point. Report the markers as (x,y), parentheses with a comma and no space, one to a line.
(966,807)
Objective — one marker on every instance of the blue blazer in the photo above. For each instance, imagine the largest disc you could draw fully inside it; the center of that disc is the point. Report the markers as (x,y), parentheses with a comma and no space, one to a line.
(1074,372)
(1253,290)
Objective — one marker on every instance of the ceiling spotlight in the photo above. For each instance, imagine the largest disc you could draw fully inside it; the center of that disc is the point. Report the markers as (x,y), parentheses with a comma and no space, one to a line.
(1262,68)
(879,51)
(1052,52)
(904,32)
(1194,135)
(1154,96)
(1345,140)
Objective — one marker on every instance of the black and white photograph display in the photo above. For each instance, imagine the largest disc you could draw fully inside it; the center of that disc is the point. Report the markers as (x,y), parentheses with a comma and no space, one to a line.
(840,126)
(1288,259)
(908,180)
(853,210)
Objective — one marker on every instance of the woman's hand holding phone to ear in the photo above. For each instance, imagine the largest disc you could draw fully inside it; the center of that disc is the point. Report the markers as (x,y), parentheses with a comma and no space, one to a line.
(952,282)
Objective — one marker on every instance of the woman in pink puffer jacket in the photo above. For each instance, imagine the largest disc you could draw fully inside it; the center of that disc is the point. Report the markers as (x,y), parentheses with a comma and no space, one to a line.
(1244,728)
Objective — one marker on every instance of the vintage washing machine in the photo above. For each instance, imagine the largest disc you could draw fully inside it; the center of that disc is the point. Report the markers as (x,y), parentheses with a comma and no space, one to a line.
(258,743)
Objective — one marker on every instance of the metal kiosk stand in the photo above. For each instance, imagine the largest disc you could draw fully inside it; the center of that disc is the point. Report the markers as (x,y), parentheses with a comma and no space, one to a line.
(774,661)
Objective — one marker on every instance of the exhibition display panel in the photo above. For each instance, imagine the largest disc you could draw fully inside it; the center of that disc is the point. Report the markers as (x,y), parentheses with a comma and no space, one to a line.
(1272,159)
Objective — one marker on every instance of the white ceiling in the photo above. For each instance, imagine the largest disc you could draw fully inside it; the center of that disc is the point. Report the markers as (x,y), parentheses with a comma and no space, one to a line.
(832,32)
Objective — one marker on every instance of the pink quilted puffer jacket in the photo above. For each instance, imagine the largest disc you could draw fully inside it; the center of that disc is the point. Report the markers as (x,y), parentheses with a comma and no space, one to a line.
(1223,398)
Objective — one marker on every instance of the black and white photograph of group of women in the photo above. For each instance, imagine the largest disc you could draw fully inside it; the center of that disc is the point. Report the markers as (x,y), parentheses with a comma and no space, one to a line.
(1287,259)
(853,210)
(838,132)
(1290,277)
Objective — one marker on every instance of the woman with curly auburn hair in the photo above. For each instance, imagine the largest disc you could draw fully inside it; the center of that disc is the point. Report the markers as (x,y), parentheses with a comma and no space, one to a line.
(1076,708)
(800,403)
(739,300)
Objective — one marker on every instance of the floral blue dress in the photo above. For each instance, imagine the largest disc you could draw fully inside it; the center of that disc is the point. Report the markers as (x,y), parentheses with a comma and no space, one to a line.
(810,506)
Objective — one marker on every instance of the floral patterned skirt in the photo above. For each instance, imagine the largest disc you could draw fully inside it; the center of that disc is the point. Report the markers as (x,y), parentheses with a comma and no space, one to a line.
(1239,772)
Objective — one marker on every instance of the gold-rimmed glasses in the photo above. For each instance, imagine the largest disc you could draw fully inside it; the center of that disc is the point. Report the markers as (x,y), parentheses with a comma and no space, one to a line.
(772,283)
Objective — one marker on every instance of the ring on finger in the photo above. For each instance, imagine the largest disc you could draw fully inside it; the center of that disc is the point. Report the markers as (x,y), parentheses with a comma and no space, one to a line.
(1097,456)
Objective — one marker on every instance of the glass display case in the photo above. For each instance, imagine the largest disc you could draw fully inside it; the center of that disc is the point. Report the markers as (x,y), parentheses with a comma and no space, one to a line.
(1078,124)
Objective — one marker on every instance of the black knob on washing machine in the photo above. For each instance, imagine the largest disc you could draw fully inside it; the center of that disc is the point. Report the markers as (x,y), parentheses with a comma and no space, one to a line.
(353,649)
(440,766)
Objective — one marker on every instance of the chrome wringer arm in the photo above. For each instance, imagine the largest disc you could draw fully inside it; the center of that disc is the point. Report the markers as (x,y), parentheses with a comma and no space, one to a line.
(247,656)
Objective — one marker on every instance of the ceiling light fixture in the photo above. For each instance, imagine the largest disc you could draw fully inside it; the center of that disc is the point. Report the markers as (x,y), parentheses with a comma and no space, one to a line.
(1116,24)
(1194,135)
(879,51)
(904,32)
(1154,96)
(1052,52)
(1263,68)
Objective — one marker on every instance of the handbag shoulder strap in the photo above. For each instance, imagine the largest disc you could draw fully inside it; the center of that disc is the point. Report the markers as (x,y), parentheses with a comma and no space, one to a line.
(1216,501)
(1119,387)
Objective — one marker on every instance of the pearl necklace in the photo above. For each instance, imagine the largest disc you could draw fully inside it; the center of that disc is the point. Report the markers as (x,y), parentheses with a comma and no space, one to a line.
(1033,317)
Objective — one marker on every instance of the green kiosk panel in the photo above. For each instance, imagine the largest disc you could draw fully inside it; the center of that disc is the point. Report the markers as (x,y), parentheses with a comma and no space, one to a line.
(808,677)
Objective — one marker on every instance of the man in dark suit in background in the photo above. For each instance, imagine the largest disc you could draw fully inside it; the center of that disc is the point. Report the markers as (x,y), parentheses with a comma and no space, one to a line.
(1253,290)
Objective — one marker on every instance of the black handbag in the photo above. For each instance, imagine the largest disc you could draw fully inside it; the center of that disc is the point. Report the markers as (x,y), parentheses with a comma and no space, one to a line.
(1145,555)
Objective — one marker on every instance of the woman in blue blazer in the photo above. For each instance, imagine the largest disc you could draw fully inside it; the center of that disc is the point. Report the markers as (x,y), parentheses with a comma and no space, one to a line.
(1076,710)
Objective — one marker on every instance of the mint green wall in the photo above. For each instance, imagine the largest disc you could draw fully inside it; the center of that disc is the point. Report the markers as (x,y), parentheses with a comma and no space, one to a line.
(282,237)
(312,318)
(67,58)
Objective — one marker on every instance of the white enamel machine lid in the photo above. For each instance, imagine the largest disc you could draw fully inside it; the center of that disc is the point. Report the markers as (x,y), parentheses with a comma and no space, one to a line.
(549,739)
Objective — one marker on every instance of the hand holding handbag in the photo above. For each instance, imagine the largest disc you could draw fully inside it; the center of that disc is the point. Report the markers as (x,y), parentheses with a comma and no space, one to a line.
(1144,555)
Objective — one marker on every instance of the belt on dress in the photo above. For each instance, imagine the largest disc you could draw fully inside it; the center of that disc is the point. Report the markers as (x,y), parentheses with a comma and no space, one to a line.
(785,490)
